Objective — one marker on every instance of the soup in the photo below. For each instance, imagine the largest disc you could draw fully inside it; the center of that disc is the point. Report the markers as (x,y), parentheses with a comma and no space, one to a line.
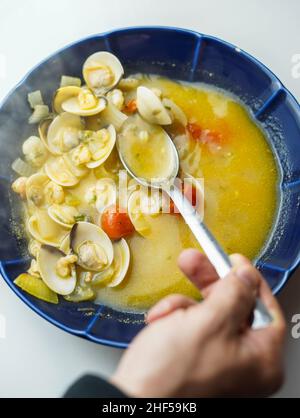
(93,238)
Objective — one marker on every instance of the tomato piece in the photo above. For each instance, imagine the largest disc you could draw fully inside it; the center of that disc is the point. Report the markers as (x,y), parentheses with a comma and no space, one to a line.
(212,137)
(131,106)
(195,130)
(206,136)
(116,223)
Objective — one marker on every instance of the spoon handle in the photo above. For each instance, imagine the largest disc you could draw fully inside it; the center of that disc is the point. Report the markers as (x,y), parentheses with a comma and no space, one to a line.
(213,250)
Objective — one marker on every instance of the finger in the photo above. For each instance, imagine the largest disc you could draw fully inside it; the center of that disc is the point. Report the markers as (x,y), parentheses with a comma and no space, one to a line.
(265,294)
(168,305)
(238,260)
(271,304)
(267,344)
(198,269)
(232,300)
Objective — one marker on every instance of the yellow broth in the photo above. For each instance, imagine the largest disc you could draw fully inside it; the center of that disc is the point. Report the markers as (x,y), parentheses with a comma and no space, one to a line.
(240,178)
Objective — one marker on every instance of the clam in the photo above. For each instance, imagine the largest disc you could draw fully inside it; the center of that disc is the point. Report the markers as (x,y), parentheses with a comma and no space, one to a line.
(106,193)
(92,246)
(34,151)
(116,97)
(136,214)
(44,230)
(62,133)
(83,290)
(43,130)
(65,245)
(101,145)
(63,94)
(79,101)
(35,186)
(34,247)
(48,259)
(54,193)
(77,170)
(63,215)
(150,107)
(58,171)
(102,71)
(115,273)
(150,204)
(176,112)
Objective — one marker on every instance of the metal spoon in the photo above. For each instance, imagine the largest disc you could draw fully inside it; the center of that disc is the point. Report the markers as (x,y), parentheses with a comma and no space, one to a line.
(211,247)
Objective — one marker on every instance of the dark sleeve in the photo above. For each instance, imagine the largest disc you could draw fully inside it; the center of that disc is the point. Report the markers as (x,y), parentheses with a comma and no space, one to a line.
(90,386)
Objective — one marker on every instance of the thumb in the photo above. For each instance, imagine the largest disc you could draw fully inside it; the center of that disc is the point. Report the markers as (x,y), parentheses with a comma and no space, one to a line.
(233,298)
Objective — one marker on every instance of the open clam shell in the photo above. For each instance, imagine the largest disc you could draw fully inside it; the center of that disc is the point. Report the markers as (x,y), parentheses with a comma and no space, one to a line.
(77,170)
(116,272)
(42,228)
(62,134)
(150,107)
(35,186)
(120,263)
(43,130)
(106,193)
(63,94)
(47,260)
(136,214)
(103,149)
(92,246)
(102,71)
(57,170)
(176,112)
(63,215)
(79,101)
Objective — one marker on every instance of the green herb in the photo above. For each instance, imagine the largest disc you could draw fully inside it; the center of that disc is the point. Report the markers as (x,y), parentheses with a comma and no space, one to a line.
(80,218)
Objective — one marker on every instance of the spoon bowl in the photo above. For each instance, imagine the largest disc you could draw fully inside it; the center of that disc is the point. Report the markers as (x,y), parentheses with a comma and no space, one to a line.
(154,182)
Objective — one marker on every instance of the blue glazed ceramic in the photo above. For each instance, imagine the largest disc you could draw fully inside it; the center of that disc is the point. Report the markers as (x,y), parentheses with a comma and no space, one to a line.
(179,54)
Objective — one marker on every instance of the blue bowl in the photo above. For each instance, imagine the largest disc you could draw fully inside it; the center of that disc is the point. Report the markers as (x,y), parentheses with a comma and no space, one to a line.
(179,54)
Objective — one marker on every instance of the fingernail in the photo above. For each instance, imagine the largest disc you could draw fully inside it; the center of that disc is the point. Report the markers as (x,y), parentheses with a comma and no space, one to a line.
(246,274)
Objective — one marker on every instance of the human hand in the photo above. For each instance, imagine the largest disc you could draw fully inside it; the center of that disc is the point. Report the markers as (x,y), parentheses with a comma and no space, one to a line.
(207,349)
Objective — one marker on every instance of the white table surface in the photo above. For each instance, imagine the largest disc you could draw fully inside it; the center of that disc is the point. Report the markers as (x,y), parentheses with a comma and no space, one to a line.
(36,358)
